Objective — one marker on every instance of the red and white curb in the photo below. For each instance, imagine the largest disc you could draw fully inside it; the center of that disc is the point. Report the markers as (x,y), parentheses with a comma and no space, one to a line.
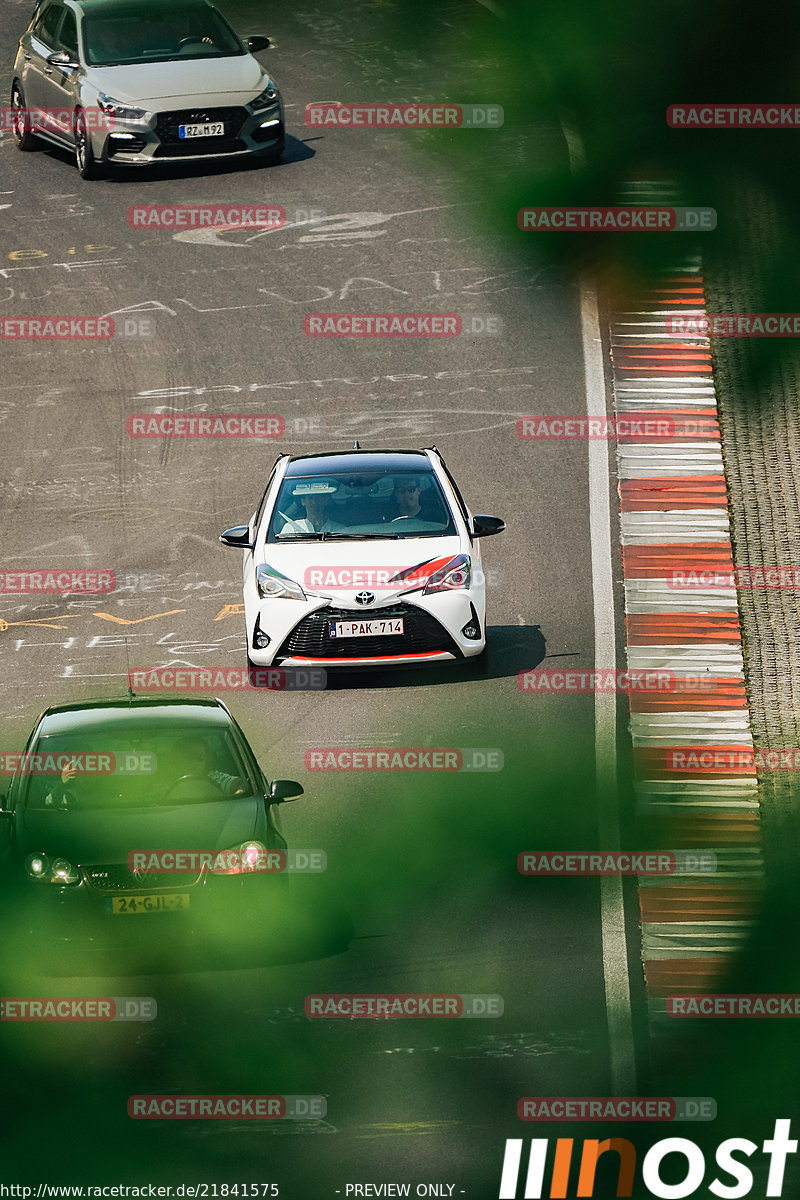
(674,517)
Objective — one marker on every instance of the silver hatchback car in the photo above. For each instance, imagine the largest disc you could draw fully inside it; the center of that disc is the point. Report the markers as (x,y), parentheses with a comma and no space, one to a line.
(142,82)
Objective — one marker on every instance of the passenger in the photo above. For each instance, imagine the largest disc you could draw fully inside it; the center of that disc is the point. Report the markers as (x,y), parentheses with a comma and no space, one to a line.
(315,500)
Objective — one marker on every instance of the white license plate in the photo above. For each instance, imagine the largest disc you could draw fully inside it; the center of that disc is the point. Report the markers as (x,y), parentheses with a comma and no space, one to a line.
(209,129)
(137,905)
(374,628)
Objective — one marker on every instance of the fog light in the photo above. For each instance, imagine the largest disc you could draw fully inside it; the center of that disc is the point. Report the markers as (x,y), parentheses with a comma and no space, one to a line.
(260,639)
(471,631)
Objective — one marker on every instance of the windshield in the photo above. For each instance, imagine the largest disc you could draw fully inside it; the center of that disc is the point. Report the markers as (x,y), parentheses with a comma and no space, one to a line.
(374,505)
(157,33)
(133,764)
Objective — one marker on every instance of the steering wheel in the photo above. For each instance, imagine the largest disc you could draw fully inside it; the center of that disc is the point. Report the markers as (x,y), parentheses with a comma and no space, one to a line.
(192,41)
(194,779)
(404,517)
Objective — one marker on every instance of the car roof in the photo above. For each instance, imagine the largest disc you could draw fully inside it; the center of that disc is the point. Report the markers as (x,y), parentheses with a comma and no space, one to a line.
(343,462)
(97,6)
(66,718)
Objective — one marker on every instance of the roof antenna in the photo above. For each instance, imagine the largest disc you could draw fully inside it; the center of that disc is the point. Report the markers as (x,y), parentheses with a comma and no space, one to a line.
(356,444)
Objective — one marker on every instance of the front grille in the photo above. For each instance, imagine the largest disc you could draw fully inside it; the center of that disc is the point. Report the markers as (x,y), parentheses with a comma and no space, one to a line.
(421,633)
(167,123)
(116,878)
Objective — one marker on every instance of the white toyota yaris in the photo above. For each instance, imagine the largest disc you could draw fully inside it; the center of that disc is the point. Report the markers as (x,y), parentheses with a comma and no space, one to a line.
(366,558)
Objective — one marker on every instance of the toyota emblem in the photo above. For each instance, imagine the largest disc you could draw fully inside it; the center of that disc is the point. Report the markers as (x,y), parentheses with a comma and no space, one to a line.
(365,598)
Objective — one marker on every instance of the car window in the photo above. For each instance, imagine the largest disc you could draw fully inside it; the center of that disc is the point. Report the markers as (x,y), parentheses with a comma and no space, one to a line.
(157,33)
(374,504)
(45,28)
(68,37)
(153,764)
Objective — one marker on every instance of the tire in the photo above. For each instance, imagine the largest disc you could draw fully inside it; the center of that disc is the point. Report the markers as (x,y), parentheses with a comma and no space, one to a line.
(87,164)
(23,137)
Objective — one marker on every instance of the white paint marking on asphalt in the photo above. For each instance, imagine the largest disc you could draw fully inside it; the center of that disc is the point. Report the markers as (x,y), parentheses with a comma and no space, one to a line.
(612,914)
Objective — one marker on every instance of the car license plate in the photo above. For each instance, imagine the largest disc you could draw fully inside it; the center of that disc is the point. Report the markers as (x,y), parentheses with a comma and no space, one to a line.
(374,628)
(136,905)
(208,129)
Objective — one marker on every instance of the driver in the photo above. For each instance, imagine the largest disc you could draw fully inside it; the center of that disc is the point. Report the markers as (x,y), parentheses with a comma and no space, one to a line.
(405,500)
(72,785)
(197,756)
(314,497)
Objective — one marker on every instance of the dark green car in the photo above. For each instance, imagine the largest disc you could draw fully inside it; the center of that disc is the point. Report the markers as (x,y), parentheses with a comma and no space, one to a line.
(146,827)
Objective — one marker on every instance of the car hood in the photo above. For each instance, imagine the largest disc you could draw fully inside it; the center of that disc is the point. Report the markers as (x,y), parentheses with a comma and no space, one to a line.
(96,835)
(341,569)
(193,83)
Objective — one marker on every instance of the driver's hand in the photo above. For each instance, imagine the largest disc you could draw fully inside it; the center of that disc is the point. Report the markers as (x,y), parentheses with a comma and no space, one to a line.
(69,772)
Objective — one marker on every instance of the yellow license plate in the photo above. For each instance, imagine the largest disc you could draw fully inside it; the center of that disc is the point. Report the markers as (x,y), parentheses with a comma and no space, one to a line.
(136,905)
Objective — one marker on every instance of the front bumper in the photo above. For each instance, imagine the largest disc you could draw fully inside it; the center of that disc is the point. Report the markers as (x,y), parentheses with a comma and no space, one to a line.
(232,921)
(155,138)
(299,633)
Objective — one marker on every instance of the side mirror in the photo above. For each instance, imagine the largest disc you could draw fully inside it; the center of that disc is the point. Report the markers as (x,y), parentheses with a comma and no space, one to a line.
(485,526)
(62,59)
(238,537)
(257,42)
(283,790)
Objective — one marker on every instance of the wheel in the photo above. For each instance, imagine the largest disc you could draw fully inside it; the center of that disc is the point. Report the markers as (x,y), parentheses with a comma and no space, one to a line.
(23,137)
(87,164)
(191,778)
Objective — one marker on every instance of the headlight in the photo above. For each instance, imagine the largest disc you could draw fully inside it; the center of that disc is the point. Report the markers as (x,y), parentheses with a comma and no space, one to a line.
(268,96)
(59,871)
(242,860)
(273,585)
(115,108)
(452,577)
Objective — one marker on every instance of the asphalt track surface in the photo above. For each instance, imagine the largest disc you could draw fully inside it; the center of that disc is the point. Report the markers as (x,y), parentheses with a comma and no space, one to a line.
(427,866)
